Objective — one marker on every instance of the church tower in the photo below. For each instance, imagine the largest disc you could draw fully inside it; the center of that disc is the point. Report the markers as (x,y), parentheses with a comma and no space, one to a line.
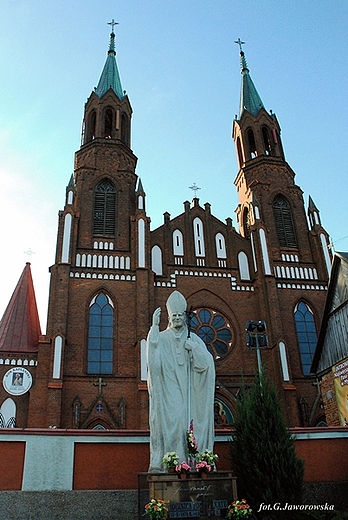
(291,256)
(99,288)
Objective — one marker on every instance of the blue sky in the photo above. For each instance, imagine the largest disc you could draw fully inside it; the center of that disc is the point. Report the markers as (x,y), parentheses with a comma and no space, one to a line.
(180,67)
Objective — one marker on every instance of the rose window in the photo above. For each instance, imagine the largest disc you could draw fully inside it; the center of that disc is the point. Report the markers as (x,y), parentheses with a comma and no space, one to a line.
(214,330)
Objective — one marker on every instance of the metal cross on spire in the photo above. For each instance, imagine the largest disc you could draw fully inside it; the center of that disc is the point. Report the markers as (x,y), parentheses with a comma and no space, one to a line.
(113,23)
(240,43)
(194,188)
(29,253)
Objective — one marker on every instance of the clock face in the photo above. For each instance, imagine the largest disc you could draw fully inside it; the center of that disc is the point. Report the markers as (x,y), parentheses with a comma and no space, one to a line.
(17,381)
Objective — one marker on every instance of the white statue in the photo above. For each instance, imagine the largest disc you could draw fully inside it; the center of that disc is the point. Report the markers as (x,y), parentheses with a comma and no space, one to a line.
(181,383)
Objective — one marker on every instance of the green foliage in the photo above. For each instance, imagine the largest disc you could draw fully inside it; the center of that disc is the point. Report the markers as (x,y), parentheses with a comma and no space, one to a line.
(262,449)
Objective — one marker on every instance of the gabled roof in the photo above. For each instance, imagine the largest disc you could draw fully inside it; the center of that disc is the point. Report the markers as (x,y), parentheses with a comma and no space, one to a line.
(337,296)
(20,326)
(110,77)
(249,97)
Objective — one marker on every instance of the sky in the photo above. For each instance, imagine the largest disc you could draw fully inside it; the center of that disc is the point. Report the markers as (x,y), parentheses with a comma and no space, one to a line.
(180,67)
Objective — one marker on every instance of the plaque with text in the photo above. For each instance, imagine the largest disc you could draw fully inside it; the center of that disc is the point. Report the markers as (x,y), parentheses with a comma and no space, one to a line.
(195,497)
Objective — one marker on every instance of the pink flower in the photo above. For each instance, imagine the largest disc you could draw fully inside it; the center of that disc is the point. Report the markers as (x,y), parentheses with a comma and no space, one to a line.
(203,466)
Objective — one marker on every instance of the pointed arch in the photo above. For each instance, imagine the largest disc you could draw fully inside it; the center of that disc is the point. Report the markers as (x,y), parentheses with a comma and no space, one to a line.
(284,222)
(246,222)
(91,126)
(243,264)
(220,245)
(109,123)
(125,133)
(104,214)
(8,414)
(178,243)
(156,260)
(239,152)
(100,335)
(141,243)
(306,334)
(199,237)
(66,238)
(251,143)
(266,140)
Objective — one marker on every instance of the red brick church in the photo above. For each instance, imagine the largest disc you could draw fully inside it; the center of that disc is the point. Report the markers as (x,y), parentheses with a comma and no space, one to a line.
(111,271)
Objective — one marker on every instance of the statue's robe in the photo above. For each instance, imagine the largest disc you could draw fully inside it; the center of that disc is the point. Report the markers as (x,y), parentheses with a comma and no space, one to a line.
(176,378)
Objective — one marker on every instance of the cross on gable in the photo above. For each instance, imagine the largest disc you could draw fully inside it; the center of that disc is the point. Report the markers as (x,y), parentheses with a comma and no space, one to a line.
(194,188)
(100,384)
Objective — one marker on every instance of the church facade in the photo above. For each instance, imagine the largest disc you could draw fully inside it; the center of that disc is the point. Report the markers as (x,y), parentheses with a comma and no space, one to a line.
(111,271)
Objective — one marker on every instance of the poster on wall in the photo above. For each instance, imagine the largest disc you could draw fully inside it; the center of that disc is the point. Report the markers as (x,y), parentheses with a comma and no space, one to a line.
(340,373)
(17,381)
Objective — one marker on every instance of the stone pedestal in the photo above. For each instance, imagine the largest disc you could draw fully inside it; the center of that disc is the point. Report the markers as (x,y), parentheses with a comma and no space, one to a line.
(195,497)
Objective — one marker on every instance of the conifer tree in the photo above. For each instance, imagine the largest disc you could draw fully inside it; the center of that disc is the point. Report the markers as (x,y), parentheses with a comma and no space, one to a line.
(262,449)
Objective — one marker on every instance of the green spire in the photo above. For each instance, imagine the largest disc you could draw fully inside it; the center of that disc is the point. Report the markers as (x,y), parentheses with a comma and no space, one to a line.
(110,77)
(249,97)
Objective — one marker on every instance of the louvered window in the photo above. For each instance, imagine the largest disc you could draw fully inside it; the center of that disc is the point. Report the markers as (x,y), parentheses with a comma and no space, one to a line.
(104,209)
(284,222)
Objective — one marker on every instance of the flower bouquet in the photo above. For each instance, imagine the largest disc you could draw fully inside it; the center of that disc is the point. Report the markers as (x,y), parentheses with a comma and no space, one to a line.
(203,468)
(209,457)
(239,510)
(171,460)
(182,469)
(156,510)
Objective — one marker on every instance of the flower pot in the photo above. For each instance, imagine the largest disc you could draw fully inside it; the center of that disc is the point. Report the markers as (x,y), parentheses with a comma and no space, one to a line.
(171,469)
(182,476)
(203,474)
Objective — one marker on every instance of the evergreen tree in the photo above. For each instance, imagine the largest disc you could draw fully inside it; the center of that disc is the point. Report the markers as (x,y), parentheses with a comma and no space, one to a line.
(263,451)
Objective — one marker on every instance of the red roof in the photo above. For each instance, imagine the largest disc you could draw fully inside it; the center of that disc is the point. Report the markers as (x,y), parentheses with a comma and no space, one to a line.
(20,326)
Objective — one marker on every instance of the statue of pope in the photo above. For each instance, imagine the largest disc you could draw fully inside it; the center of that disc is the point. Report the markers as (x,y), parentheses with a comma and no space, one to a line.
(181,384)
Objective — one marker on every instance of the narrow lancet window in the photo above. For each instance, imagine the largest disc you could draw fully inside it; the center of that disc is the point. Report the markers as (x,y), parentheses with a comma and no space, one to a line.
(100,335)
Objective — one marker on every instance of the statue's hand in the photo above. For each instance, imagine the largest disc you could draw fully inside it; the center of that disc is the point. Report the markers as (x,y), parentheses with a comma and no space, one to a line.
(156,317)
(189,345)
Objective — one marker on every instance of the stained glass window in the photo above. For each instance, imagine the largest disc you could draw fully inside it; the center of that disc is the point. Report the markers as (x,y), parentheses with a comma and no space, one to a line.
(213,328)
(100,336)
(306,334)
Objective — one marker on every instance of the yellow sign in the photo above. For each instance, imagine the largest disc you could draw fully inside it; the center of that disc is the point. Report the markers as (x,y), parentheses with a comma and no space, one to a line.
(340,373)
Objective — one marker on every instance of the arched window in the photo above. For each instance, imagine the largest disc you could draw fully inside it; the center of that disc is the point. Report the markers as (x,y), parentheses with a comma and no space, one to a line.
(178,243)
(266,140)
(240,153)
(220,245)
(284,222)
(8,414)
(199,237)
(91,126)
(306,335)
(104,209)
(156,260)
(251,143)
(213,328)
(100,335)
(243,264)
(108,123)
(246,222)
(66,238)
(125,129)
